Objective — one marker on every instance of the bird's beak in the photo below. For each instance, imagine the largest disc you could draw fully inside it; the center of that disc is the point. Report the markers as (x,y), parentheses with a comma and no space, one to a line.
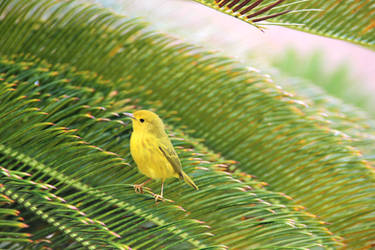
(129,115)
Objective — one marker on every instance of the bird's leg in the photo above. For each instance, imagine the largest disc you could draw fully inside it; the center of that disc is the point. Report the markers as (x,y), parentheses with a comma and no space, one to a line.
(138,188)
(160,196)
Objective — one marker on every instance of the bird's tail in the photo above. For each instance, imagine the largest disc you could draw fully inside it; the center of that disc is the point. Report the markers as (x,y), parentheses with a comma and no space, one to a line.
(188,180)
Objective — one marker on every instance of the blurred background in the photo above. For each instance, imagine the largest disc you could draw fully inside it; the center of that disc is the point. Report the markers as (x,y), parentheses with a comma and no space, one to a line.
(342,69)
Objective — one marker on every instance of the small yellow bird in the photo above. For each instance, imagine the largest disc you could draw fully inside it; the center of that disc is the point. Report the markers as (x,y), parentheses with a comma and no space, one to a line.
(153,152)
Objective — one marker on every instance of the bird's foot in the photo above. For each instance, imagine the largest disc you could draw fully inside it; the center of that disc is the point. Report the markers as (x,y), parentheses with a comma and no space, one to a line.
(138,188)
(158,197)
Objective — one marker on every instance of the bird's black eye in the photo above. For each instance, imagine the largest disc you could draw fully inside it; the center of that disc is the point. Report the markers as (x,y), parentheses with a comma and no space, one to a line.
(141,120)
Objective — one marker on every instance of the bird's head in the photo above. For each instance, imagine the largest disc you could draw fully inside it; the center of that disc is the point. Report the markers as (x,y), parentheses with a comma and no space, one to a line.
(146,121)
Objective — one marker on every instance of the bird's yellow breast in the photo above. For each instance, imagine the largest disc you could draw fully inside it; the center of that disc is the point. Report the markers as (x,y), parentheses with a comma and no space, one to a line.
(148,157)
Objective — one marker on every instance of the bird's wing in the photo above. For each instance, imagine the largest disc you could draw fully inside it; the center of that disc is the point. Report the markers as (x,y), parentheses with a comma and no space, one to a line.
(171,155)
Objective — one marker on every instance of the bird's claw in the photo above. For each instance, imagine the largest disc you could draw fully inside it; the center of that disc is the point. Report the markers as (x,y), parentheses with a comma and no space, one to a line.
(138,188)
(158,197)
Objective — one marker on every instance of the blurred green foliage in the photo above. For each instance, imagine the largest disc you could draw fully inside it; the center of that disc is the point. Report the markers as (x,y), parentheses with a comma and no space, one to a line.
(338,81)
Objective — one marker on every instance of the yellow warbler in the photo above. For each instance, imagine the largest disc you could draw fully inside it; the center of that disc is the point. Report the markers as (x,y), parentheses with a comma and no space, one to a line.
(153,152)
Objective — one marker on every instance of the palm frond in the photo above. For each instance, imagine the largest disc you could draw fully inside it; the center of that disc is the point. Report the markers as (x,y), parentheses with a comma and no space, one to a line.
(10,221)
(252,11)
(347,20)
(83,161)
(343,118)
(237,112)
(64,117)
(56,211)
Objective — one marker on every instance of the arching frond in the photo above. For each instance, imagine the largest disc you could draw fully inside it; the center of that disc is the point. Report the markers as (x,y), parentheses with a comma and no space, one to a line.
(10,221)
(57,212)
(253,11)
(74,141)
(238,112)
(347,20)
(344,119)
